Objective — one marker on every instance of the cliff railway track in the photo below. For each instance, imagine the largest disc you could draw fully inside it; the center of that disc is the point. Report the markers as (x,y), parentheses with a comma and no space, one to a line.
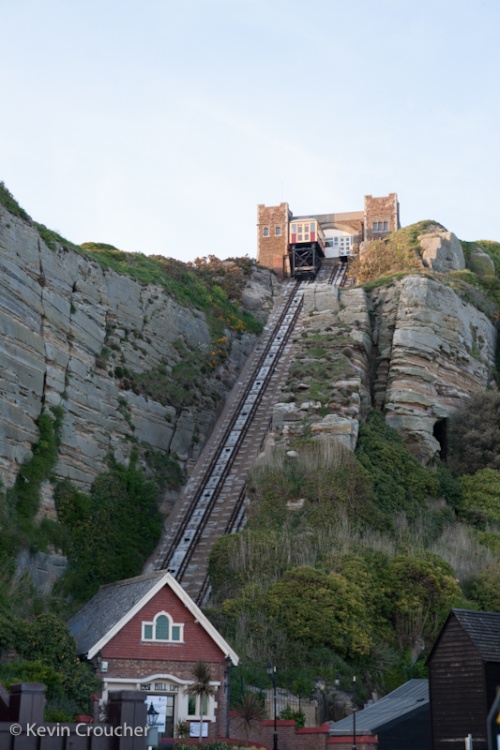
(213,502)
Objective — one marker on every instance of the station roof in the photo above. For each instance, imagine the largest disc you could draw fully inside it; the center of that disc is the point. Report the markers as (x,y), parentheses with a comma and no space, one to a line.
(409,697)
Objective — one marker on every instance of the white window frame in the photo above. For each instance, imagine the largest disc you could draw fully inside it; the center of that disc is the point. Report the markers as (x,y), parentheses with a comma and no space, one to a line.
(171,624)
(205,700)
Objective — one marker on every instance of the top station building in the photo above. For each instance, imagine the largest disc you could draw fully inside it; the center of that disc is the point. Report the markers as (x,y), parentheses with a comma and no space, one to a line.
(287,242)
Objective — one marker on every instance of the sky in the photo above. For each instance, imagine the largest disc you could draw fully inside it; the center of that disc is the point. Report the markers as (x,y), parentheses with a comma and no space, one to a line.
(158,126)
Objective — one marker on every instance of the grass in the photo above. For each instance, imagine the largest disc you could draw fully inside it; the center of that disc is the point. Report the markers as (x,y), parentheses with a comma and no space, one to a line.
(9,202)
(398,253)
(182,283)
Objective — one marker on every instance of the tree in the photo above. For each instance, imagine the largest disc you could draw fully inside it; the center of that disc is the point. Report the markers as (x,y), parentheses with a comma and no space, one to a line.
(485,588)
(201,687)
(423,589)
(322,609)
(46,640)
(474,435)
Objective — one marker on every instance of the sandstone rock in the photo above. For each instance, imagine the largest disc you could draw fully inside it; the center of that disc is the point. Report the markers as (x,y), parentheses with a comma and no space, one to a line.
(320,298)
(44,569)
(442,251)
(285,413)
(66,325)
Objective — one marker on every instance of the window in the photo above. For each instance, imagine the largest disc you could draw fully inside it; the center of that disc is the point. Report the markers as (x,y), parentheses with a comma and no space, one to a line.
(277,231)
(162,629)
(194,705)
(380,226)
(265,232)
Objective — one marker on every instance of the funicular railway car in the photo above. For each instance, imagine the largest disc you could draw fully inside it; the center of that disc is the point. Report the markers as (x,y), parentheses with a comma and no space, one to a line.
(306,248)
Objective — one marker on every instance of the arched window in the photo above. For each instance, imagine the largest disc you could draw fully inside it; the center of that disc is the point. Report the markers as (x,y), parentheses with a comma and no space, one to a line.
(163,629)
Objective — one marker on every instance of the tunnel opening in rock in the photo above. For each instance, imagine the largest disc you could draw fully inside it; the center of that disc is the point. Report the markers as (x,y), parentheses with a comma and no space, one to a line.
(440,432)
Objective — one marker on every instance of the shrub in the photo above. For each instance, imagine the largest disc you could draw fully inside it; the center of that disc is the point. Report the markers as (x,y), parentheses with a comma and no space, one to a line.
(399,252)
(112,531)
(484,589)
(474,435)
(481,498)
(399,482)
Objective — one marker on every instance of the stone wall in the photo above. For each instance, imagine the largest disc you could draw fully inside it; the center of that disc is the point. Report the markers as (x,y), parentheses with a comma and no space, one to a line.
(385,209)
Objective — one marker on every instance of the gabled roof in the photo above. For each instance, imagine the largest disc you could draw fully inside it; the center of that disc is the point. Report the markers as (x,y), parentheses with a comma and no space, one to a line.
(483,628)
(115,604)
(409,697)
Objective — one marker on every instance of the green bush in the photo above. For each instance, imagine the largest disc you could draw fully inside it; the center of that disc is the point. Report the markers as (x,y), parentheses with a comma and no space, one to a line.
(47,640)
(481,498)
(474,434)
(112,531)
(484,589)
(297,716)
(399,482)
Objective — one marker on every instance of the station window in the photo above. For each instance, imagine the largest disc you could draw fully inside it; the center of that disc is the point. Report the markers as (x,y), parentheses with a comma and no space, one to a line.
(162,628)
(380,226)
(277,231)
(265,232)
(194,705)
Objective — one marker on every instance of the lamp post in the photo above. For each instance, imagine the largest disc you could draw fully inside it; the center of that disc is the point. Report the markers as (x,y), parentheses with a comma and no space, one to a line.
(228,694)
(271,671)
(337,685)
(354,714)
(151,715)
(151,718)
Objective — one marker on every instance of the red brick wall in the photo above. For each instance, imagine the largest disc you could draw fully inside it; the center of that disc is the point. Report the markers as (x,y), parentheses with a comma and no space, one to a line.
(271,249)
(197,643)
(128,657)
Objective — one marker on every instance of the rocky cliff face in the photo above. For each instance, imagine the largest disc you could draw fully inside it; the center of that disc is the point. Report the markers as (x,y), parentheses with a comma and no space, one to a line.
(413,349)
(66,325)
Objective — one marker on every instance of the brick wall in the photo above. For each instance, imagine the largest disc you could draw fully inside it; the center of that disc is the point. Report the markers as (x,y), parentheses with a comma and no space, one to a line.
(130,658)
(197,643)
(272,248)
(385,209)
(309,738)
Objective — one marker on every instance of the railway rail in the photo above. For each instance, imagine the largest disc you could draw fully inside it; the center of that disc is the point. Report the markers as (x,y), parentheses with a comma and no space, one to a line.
(198,512)
(213,503)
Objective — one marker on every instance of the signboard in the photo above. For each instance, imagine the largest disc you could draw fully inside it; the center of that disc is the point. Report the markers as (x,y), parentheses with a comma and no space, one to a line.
(160,705)
(194,729)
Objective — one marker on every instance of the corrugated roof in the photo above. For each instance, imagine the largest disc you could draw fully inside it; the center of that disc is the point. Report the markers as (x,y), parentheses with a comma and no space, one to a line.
(483,628)
(107,607)
(412,695)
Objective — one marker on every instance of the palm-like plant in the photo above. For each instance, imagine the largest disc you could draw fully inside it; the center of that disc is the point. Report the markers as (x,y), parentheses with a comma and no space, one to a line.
(201,687)
(251,712)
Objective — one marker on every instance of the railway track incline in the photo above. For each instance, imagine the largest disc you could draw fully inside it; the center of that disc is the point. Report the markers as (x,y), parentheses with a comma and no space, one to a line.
(213,502)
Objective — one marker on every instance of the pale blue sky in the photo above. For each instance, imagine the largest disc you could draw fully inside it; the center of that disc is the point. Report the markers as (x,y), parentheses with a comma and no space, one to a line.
(158,125)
